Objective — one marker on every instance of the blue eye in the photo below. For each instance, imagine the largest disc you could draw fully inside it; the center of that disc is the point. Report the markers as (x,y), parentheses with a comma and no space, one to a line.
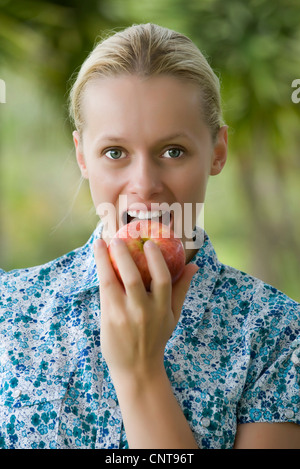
(173,153)
(115,154)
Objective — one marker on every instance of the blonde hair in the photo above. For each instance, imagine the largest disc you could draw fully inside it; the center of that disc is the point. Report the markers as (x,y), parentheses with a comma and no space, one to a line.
(147,50)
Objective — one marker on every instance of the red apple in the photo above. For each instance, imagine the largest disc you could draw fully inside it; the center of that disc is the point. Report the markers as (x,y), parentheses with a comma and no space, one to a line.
(136,233)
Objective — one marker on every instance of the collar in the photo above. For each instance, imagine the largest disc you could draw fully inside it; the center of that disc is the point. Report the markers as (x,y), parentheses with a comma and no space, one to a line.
(83,263)
(201,287)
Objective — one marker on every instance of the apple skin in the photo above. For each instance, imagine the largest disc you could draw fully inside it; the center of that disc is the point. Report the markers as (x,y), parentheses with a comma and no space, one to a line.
(136,233)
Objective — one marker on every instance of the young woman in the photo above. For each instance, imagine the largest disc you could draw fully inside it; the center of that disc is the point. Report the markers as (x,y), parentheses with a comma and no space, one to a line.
(209,362)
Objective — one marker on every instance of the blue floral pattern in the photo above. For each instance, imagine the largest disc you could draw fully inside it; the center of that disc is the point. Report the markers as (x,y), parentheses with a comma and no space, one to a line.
(233,358)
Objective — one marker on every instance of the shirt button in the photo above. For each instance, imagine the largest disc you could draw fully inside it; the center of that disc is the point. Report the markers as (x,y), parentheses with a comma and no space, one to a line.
(205,422)
(16,393)
(289,413)
(111,402)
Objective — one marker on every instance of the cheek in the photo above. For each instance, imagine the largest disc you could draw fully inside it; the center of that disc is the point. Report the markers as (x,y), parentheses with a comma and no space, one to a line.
(192,186)
(102,189)
(105,189)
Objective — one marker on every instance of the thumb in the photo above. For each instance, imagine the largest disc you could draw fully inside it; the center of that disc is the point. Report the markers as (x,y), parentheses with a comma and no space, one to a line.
(180,288)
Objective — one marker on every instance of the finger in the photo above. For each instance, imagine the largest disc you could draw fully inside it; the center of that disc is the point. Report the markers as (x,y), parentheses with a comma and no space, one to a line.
(180,288)
(161,285)
(128,270)
(108,281)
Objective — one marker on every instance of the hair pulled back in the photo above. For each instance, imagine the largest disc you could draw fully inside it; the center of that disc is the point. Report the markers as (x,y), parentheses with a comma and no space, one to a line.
(149,50)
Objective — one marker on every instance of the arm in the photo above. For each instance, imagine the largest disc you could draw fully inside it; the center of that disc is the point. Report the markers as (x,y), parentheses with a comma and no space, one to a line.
(267,436)
(135,327)
(152,416)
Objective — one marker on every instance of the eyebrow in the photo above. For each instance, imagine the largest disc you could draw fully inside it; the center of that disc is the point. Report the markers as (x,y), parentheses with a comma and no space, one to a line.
(173,137)
(117,138)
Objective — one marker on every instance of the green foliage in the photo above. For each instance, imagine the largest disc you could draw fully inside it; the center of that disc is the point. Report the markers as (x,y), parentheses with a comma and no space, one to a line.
(52,37)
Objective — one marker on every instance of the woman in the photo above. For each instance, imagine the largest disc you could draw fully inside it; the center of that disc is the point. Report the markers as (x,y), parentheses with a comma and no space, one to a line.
(209,362)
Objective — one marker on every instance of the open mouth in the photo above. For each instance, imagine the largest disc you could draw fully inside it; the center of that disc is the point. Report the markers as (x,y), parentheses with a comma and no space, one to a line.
(161,216)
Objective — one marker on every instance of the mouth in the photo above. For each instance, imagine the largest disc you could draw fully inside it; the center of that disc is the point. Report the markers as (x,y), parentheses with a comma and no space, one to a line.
(161,216)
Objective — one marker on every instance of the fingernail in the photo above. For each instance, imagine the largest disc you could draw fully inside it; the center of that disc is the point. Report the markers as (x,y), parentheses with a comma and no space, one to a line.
(149,244)
(116,241)
(98,243)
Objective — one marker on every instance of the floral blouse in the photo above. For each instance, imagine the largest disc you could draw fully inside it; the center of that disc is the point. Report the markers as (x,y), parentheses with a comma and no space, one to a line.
(233,358)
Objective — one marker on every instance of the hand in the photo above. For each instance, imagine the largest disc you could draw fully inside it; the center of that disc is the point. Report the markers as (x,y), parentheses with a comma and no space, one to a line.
(136,324)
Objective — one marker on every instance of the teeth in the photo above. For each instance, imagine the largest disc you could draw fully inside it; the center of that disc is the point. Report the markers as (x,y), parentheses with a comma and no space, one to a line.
(146,215)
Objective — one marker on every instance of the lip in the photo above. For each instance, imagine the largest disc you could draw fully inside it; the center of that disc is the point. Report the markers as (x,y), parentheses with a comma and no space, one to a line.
(141,207)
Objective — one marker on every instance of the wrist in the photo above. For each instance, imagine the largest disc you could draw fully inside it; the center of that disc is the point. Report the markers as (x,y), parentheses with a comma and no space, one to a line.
(151,414)
(139,380)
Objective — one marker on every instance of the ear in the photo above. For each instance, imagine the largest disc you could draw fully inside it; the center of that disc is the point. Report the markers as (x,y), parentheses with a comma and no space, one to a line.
(80,155)
(220,151)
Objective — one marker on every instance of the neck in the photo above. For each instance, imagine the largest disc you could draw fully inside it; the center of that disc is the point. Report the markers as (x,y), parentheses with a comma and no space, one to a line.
(189,254)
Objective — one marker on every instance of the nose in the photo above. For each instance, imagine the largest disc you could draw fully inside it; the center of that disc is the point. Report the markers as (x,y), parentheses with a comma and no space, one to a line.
(145,178)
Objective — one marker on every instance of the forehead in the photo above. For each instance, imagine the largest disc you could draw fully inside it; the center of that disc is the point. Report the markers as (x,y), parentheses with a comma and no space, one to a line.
(142,103)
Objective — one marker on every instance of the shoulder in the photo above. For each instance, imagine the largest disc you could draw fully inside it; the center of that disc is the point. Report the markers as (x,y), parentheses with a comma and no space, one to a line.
(41,275)
(35,287)
(267,320)
(247,294)
(246,304)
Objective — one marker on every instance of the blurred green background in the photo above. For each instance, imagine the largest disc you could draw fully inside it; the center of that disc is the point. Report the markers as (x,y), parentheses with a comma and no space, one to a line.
(252,210)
